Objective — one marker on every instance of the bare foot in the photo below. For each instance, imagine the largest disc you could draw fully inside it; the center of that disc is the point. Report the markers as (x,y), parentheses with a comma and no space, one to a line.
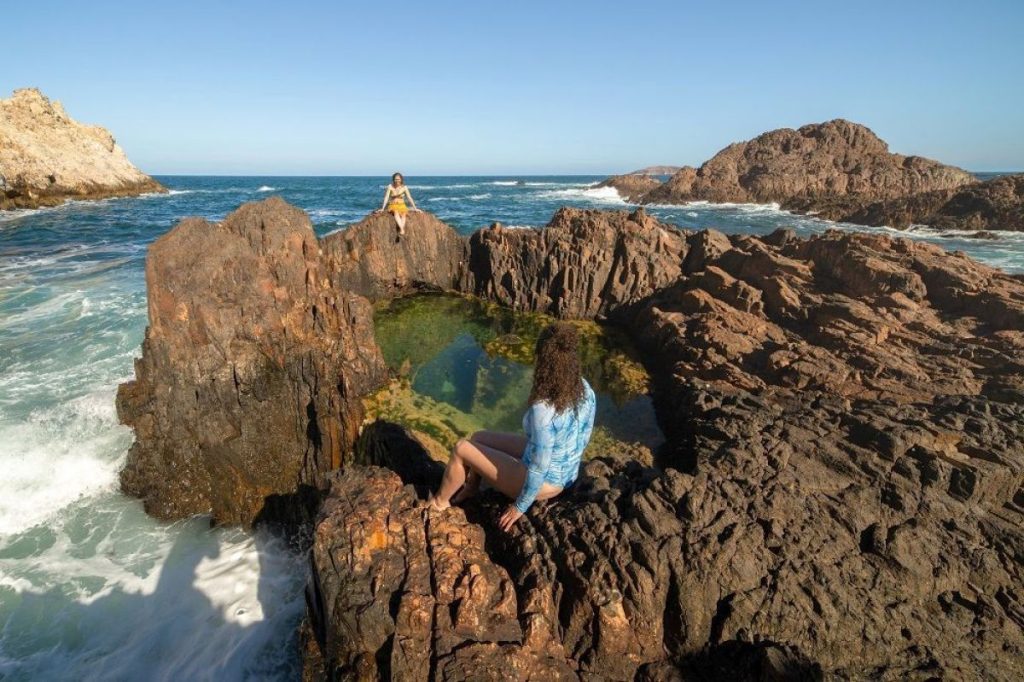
(433,504)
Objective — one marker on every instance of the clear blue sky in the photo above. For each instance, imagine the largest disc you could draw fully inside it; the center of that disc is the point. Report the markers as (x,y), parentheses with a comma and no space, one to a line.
(517,87)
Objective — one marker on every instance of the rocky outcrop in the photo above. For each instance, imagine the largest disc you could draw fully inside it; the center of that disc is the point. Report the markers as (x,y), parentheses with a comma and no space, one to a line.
(247,392)
(841,492)
(996,204)
(47,158)
(631,186)
(582,265)
(830,168)
(370,257)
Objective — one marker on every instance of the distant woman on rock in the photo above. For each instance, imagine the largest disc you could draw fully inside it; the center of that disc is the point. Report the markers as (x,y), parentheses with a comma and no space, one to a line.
(394,200)
(557,424)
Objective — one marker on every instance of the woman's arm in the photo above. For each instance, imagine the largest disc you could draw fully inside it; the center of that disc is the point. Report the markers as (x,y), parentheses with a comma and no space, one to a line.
(411,202)
(387,195)
(539,448)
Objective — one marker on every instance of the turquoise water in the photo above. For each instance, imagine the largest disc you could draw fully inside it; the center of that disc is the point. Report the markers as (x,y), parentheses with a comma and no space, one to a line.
(89,586)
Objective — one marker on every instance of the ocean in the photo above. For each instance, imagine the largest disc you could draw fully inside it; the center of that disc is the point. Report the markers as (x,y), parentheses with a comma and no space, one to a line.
(92,588)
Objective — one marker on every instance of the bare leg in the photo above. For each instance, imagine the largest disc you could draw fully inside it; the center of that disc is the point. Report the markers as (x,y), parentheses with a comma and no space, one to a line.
(511,444)
(501,470)
(400,219)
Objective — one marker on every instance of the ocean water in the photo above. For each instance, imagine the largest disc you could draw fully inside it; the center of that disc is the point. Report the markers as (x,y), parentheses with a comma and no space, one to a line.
(90,587)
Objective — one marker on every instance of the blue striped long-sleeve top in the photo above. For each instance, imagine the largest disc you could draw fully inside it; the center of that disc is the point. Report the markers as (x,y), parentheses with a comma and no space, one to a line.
(555,444)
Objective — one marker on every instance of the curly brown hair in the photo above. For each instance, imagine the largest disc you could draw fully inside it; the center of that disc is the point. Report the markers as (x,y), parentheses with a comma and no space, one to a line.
(557,377)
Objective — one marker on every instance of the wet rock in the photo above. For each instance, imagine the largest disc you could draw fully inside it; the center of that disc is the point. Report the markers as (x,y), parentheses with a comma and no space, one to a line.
(46,157)
(247,392)
(631,186)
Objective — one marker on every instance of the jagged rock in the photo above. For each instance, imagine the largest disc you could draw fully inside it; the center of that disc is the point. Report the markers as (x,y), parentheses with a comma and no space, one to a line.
(831,168)
(583,264)
(399,593)
(46,157)
(997,204)
(371,259)
(841,491)
(247,392)
(631,186)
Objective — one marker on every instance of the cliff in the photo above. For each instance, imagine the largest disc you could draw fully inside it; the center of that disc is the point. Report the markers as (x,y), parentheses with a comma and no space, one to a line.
(46,157)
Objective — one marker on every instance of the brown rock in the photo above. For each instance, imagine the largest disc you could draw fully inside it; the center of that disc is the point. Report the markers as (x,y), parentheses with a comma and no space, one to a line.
(831,168)
(248,389)
(631,186)
(997,204)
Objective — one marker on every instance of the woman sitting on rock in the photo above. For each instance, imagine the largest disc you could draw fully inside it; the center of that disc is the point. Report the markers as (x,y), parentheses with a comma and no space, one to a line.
(394,200)
(558,424)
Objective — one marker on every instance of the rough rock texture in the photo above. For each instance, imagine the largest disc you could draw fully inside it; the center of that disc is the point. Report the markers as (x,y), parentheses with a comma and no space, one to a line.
(631,186)
(996,204)
(831,168)
(370,258)
(247,392)
(583,264)
(46,157)
(841,492)
(402,594)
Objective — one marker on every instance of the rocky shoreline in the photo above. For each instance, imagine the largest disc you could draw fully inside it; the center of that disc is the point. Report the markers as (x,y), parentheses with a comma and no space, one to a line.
(841,493)
(47,158)
(840,171)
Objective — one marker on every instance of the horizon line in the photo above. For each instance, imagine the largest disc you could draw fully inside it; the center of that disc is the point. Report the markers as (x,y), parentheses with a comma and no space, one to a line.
(452,175)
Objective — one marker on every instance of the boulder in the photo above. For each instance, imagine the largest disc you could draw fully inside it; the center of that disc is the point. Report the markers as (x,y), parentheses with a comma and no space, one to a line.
(631,186)
(247,392)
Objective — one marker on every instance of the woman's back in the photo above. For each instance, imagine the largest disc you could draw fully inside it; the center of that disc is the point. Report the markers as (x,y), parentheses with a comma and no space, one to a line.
(560,436)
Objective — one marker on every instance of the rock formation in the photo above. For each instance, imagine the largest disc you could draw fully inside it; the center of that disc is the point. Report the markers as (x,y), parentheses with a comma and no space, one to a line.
(632,186)
(46,157)
(371,259)
(247,393)
(841,492)
(996,204)
(819,167)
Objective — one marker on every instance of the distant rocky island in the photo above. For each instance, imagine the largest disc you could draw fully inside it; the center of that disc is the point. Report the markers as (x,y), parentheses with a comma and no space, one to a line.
(841,493)
(46,157)
(841,171)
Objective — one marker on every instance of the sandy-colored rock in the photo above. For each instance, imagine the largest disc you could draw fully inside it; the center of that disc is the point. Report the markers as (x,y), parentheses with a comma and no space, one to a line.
(46,157)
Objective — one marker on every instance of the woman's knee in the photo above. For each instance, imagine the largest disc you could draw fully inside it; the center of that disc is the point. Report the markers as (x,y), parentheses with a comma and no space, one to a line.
(462,449)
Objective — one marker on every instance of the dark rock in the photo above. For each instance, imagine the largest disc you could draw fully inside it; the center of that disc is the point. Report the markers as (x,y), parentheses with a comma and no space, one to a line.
(248,389)
(631,186)
(996,204)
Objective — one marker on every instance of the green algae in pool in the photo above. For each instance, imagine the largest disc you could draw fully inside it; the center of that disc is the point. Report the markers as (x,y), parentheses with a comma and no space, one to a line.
(464,365)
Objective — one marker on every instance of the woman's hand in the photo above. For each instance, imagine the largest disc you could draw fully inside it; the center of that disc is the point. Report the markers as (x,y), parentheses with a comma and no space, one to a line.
(509,518)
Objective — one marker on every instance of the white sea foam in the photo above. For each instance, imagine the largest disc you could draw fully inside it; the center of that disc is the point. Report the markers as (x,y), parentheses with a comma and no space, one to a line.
(266,188)
(603,195)
(505,183)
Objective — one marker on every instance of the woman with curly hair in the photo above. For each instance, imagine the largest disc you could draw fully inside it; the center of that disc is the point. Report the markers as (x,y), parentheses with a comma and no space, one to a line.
(542,463)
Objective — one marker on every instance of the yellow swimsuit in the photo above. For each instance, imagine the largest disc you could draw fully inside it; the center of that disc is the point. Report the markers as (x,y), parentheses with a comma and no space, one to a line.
(397,205)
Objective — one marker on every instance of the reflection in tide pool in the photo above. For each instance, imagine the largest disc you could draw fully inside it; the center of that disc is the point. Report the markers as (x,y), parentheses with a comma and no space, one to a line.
(467,365)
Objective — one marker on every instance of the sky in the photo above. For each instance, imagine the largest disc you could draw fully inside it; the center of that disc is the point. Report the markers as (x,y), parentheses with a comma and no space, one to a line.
(552,87)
